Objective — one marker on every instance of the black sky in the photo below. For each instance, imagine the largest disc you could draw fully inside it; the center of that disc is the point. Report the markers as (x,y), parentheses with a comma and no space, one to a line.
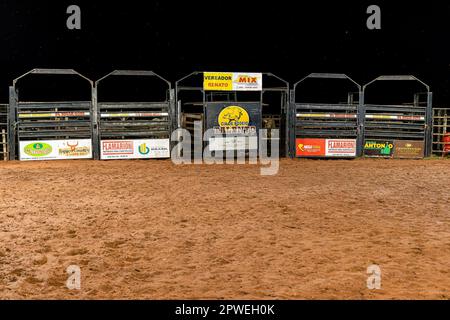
(175,38)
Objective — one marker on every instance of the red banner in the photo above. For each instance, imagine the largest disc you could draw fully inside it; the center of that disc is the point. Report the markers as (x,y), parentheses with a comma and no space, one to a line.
(310,147)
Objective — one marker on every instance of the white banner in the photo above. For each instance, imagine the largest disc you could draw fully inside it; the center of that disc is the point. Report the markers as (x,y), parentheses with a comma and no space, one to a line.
(55,149)
(135,149)
(340,148)
(233,143)
(247,81)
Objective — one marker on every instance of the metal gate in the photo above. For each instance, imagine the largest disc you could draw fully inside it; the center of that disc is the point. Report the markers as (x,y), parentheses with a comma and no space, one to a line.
(441,129)
(3,131)
(398,130)
(51,130)
(326,130)
(135,130)
(263,97)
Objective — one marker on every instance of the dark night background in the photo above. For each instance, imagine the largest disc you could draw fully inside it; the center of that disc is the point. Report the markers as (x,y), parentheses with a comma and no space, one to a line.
(175,38)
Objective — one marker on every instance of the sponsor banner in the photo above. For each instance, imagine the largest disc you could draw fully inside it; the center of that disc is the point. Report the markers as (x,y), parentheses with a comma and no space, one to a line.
(55,149)
(134,114)
(134,149)
(340,148)
(232,122)
(53,115)
(378,148)
(310,147)
(408,149)
(327,115)
(233,143)
(229,81)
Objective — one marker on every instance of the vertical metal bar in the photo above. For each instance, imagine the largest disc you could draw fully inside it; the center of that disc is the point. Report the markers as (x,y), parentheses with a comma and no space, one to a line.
(95,125)
(203,119)
(173,116)
(4,145)
(292,118)
(12,118)
(361,122)
(416,100)
(429,124)
(286,122)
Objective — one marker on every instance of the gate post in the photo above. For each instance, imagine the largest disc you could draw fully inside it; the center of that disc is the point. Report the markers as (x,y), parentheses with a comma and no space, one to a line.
(291,126)
(12,112)
(361,125)
(173,114)
(429,124)
(94,125)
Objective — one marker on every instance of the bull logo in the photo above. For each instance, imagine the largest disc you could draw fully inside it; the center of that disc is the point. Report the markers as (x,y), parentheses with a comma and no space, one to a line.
(234,116)
(73,147)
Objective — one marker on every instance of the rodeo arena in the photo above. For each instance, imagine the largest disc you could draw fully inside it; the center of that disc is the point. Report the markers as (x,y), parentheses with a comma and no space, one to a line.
(360,183)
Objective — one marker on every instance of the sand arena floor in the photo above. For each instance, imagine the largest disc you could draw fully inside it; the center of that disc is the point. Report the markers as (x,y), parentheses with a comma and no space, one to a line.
(153,230)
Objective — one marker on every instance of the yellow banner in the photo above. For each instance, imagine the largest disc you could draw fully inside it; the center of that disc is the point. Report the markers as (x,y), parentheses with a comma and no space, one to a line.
(218,81)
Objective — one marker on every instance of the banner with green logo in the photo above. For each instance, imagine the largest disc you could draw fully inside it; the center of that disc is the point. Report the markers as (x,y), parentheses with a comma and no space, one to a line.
(378,148)
(55,149)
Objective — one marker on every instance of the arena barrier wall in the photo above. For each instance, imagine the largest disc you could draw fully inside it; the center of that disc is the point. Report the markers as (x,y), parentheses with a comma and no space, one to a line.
(260,98)
(51,130)
(398,130)
(326,130)
(135,130)
(4,132)
(44,130)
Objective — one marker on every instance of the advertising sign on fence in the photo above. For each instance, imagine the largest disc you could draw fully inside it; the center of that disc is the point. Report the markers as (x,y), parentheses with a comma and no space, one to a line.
(235,126)
(55,149)
(379,148)
(229,81)
(307,147)
(310,147)
(408,149)
(340,148)
(135,149)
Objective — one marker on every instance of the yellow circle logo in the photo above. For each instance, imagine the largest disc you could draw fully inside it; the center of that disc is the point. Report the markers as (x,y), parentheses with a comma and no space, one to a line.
(234,116)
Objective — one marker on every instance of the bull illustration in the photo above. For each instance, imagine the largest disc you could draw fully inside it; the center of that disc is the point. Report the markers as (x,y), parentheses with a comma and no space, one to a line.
(233,116)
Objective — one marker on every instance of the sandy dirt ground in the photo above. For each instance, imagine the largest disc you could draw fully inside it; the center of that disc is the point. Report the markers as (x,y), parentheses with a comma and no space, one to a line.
(153,230)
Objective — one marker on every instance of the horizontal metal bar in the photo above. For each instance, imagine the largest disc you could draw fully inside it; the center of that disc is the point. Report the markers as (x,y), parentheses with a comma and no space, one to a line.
(301,106)
(135,134)
(327,115)
(62,114)
(54,124)
(394,117)
(384,134)
(134,115)
(66,135)
(140,105)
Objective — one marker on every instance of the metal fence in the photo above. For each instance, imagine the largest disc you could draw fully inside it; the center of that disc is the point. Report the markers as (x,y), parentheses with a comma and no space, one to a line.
(123,130)
(130,130)
(51,130)
(441,127)
(3,132)
(403,126)
(318,124)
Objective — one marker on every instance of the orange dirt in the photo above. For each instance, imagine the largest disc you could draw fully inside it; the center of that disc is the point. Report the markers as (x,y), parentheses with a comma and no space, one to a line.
(153,230)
